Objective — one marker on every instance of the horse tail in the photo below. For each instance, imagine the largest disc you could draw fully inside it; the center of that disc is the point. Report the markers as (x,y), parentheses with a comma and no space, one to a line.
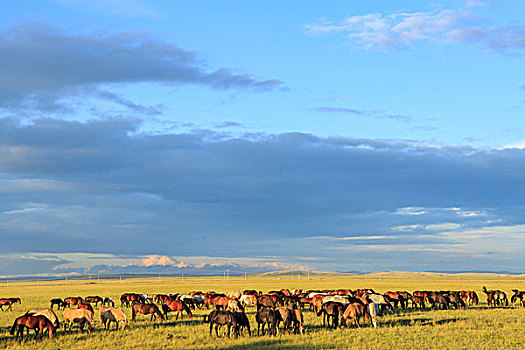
(12,331)
(187,309)
(484,289)
(133,313)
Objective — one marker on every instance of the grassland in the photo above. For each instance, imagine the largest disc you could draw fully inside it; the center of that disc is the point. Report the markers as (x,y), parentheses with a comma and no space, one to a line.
(475,328)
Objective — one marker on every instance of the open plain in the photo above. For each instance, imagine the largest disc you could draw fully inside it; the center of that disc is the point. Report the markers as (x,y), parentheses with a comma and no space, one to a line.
(479,327)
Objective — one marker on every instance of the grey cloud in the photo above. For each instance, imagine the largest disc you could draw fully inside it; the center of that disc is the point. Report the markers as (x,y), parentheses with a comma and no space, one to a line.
(43,68)
(205,192)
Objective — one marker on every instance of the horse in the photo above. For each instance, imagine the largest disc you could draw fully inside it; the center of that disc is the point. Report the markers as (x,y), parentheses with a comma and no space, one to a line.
(265,301)
(81,316)
(221,318)
(331,310)
(114,315)
(94,299)
(71,301)
(518,295)
(146,309)
(32,322)
(108,302)
(235,305)
(265,316)
(297,319)
(59,302)
(381,300)
(284,314)
(221,302)
(51,316)
(398,298)
(176,305)
(247,299)
(354,311)
(235,294)
(7,302)
(87,306)
(127,298)
(455,300)
(418,302)
(496,296)
(242,322)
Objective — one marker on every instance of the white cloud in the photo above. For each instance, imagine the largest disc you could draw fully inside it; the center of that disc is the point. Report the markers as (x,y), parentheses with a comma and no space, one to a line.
(403,30)
(411,211)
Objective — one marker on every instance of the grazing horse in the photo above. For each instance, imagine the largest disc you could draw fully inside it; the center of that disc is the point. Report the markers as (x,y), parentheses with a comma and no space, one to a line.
(127,299)
(113,315)
(398,298)
(331,310)
(455,300)
(7,302)
(32,322)
(94,299)
(59,302)
(354,311)
(284,314)
(265,316)
(265,301)
(496,296)
(108,302)
(176,305)
(221,318)
(80,316)
(381,300)
(242,322)
(51,316)
(221,302)
(248,300)
(473,298)
(71,301)
(146,309)
(87,306)
(518,295)
(418,302)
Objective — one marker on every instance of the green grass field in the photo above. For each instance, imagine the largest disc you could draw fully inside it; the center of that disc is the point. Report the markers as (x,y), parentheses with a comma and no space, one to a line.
(475,328)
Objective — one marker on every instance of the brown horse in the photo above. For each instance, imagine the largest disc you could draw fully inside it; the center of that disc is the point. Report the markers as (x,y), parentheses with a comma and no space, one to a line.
(354,311)
(8,302)
(87,306)
(127,299)
(93,299)
(112,314)
(221,302)
(496,296)
(32,322)
(177,306)
(146,309)
(72,301)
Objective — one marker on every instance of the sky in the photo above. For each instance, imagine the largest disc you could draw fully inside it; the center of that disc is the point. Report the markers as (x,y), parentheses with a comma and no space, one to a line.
(194,137)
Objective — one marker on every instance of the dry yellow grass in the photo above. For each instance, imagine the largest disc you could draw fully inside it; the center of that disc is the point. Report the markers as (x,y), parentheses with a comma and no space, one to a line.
(475,328)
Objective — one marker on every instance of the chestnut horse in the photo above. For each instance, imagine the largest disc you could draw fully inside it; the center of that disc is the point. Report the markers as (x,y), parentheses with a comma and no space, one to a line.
(73,300)
(32,322)
(93,299)
(87,306)
(8,302)
(177,306)
(146,309)
(496,296)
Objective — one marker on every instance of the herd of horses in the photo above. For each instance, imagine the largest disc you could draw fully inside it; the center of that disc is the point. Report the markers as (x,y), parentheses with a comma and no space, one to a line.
(339,308)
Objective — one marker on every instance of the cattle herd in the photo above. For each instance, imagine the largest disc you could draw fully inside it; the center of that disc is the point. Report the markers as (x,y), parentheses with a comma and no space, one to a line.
(338,308)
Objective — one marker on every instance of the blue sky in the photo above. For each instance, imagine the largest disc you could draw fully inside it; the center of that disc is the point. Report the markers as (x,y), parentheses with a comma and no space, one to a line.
(351,136)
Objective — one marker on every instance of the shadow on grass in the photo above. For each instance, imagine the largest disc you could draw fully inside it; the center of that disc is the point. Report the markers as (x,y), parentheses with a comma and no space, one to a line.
(270,344)
(420,321)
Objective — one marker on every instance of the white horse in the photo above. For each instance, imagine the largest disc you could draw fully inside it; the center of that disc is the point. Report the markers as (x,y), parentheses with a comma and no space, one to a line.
(343,299)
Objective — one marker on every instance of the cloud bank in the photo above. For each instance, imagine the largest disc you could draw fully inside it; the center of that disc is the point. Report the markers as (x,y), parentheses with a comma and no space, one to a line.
(103,187)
